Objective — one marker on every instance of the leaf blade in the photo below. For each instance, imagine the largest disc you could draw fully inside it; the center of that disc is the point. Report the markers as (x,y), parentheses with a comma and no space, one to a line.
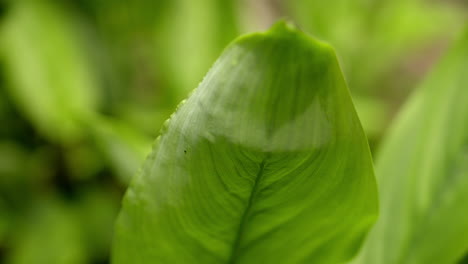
(48,71)
(423,188)
(237,175)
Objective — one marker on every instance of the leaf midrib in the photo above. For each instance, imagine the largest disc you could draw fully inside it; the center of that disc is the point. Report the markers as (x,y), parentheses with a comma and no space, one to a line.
(240,232)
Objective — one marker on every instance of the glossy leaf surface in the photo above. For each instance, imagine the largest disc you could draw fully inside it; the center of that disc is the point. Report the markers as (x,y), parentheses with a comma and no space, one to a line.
(422,173)
(266,162)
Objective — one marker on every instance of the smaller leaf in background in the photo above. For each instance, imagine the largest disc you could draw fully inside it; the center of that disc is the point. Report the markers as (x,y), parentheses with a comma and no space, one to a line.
(12,162)
(54,230)
(54,237)
(123,53)
(145,119)
(398,29)
(372,36)
(123,147)
(372,113)
(422,172)
(50,79)
(22,168)
(96,210)
(82,160)
(187,47)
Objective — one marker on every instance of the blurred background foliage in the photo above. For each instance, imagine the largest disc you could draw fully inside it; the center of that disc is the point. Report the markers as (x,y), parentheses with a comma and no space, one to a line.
(87,84)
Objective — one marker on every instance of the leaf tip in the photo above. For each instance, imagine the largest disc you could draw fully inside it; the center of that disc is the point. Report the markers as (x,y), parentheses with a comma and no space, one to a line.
(283,25)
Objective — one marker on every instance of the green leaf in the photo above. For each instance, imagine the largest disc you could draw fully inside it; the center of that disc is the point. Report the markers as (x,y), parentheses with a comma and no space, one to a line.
(96,209)
(46,67)
(266,162)
(207,27)
(54,230)
(423,173)
(47,234)
(124,148)
(371,112)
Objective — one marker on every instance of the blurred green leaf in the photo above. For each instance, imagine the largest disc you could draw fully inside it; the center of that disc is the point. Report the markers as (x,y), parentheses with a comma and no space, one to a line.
(46,67)
(187,47)
(422,172)
(58,231)
(21,167)
(376,34)
(48,234)
(148,120)
(266,162)
(97,209)
(123,147)
(83,161)
(372,112)
(12,159)
(124,51)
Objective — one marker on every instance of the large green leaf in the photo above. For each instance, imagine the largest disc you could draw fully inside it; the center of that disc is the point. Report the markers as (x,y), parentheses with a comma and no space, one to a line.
(266,162)
(423,173)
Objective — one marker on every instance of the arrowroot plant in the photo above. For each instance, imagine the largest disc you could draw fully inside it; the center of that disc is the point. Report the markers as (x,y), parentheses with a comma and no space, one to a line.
(266,162)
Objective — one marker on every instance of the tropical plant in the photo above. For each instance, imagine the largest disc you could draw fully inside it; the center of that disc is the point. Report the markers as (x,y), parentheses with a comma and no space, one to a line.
(422,172)
(85,86)
(266,162)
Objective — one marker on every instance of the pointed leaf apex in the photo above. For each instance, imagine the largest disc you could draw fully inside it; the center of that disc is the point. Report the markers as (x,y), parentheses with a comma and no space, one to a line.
(283,26)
